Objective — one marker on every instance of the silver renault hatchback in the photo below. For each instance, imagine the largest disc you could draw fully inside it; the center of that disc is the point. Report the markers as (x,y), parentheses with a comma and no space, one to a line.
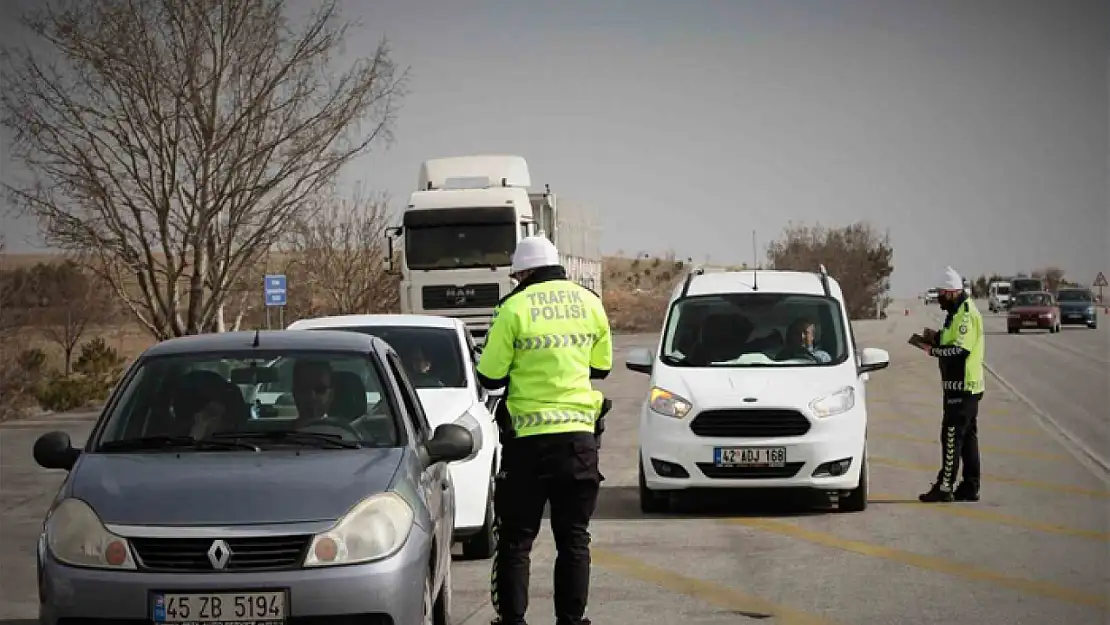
(333,504)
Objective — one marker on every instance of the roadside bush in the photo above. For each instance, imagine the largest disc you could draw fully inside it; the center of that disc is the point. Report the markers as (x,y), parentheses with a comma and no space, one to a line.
(59,394)
(100,366)
(636,312)
(20,373)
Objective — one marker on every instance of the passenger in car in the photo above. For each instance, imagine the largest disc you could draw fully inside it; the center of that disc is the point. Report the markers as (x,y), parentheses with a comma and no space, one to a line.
(724,337)
(205,402)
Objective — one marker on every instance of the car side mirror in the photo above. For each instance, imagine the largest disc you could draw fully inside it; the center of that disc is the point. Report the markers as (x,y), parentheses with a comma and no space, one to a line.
(873,359)
(449,443)
(54,450)
(639,360)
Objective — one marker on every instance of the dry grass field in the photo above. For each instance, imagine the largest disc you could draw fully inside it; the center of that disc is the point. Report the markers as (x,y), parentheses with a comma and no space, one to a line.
(636,291)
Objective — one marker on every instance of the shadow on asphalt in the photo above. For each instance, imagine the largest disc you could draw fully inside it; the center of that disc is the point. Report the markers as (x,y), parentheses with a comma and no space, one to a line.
(623,503)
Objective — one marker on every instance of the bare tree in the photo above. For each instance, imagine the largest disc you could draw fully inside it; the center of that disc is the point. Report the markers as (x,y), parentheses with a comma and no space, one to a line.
(72,303)
(175,140)
(337,257)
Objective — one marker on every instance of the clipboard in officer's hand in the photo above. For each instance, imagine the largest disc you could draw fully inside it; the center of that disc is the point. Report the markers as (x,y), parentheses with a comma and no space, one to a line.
(919,341)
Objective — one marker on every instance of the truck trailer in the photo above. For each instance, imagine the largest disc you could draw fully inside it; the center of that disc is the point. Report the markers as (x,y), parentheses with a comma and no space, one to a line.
(461,226)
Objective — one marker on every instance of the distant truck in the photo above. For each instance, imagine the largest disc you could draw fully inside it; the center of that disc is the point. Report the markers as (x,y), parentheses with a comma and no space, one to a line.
(461,226)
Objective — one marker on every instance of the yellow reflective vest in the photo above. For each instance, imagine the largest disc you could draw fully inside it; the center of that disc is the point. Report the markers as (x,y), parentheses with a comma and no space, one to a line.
(545,338)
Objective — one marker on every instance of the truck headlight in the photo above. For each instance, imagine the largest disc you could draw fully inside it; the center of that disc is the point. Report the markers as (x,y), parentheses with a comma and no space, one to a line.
(1090,310)
(76,536)
(668,404)
(374,529)
(834,403)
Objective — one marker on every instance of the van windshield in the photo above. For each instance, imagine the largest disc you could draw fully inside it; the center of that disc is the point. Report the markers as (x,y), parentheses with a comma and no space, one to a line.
(1002,289)
(755,330)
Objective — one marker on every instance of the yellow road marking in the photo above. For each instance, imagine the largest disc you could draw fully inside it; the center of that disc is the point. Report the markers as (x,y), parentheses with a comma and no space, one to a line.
(1059,488)
(1003,451)
(978,514)
(709,592)
(930,563)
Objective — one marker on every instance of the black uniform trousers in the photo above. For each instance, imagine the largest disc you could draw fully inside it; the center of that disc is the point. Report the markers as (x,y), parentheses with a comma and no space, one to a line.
(959,439)
(562,470)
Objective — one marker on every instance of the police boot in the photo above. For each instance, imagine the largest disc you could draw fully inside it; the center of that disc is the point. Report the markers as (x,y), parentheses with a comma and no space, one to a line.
(966,491)
(936,494)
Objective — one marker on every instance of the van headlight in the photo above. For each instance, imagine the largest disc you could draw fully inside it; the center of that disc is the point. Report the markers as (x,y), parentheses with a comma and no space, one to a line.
(76,536)
(374,529)
(834,403)
(667,403)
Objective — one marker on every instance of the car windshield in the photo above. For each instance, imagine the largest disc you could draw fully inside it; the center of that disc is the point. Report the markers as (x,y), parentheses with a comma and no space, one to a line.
(1033,299)
(1074,296)
(754,330)
(431,356)
(269,398)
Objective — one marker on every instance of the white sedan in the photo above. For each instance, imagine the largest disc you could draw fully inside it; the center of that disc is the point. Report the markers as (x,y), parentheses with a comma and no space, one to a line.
(439,356)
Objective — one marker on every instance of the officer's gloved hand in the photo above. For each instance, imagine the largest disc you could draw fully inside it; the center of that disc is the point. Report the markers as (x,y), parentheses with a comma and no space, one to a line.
(599,424)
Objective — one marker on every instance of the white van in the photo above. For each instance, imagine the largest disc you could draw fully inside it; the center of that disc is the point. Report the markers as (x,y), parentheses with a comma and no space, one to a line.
(998,296)
(738,401)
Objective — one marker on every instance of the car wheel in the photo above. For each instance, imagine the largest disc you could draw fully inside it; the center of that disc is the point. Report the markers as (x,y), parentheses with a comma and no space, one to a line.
(1093,326)
(855,500)
(482,545)
(651,502)
(441,609)
(1012,330)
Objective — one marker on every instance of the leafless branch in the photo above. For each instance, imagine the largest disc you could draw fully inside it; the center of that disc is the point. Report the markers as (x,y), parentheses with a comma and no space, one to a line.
(174,140)
(337,256)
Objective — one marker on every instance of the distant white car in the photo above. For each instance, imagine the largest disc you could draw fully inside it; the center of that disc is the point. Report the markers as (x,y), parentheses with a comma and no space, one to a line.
(450,393)
(739,400)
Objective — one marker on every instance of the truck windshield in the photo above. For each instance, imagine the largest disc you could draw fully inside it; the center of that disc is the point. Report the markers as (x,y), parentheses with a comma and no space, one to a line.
(1002,289)
(1020,286)
(459,246)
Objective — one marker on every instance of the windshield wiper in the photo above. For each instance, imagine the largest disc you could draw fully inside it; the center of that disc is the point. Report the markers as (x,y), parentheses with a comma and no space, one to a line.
(144,443)
(317,439)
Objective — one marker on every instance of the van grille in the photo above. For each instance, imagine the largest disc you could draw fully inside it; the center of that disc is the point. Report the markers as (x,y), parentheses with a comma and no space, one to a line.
(753,423)
(448,297)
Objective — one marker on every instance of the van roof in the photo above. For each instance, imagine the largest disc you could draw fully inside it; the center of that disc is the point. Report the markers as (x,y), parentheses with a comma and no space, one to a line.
(769,281)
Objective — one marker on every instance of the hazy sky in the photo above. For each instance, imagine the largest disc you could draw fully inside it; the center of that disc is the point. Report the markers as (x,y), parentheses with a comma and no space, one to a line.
(977,132)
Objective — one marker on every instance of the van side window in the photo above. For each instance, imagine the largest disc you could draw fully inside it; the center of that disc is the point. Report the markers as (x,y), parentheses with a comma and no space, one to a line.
(411,400)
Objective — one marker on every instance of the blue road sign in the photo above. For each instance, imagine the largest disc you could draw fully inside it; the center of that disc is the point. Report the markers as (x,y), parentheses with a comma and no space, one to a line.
(275,290)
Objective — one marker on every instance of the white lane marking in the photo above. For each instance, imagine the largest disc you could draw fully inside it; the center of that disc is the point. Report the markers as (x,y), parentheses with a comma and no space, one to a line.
(1086,456)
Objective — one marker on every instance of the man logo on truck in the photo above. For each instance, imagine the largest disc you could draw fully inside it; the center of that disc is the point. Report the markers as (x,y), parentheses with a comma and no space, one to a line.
(460,295)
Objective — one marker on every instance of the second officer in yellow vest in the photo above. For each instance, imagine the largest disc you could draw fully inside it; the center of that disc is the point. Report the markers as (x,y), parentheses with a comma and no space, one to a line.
(549,338)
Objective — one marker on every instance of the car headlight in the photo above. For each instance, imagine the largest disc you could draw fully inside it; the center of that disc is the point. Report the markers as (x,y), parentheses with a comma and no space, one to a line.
(76,536)
(1047,315)
(374,529)
(1090,310)
(834,403)
(668,404)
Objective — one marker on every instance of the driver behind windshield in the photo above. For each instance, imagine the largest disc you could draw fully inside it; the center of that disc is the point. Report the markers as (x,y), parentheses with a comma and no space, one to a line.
(420,368)
(800,337)
(311,390)
(203,404)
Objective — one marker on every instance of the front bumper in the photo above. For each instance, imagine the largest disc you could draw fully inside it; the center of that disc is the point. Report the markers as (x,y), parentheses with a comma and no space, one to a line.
(1031,323)
(668,440)
(1078,317)
(389,592)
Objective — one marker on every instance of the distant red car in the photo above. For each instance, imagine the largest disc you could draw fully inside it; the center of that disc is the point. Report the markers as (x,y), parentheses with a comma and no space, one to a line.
(1033,310)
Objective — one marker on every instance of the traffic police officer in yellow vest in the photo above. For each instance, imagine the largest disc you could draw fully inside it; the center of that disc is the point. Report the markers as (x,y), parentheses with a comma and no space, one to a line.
(959,346)
(549,338)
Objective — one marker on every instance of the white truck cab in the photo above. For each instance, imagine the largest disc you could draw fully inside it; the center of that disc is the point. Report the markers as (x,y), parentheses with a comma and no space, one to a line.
(460,229)
(756,382)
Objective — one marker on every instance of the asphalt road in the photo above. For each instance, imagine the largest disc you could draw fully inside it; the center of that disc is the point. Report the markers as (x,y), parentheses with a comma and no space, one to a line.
(1035,550)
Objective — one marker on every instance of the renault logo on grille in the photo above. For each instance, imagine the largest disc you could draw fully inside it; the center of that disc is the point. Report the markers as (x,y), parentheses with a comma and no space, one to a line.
(218,554)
